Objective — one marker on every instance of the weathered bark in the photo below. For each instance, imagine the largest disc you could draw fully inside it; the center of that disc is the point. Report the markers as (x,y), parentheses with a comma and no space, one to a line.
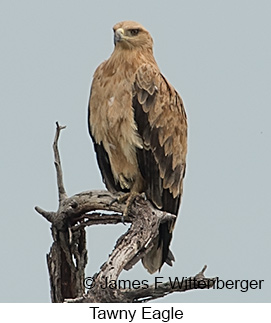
(67,258)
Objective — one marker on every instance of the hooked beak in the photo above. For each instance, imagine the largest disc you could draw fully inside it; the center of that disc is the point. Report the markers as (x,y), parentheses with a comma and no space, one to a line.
(119,35)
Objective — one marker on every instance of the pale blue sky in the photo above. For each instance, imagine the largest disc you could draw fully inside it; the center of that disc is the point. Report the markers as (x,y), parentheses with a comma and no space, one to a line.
(217,55)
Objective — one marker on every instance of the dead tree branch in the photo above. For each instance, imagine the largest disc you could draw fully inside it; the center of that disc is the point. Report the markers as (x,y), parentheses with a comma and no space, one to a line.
(61,190)
(67,258)
(154,291)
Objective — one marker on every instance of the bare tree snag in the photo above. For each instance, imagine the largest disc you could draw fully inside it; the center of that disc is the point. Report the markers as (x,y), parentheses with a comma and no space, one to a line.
(67,258)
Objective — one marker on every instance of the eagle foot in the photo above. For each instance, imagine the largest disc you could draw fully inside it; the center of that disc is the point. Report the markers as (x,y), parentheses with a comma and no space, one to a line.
(128,199)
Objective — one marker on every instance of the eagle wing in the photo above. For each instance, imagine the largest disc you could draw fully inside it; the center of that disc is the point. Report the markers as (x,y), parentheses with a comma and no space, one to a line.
(161,121)
(102,156)
(96,101)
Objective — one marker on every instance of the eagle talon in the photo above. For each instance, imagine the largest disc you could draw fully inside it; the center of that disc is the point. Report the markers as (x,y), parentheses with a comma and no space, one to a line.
(128,199)
(113,201)
(121,199)
(123,219)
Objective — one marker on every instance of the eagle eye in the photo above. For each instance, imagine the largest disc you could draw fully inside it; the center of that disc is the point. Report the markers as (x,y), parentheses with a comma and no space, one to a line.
(134,32)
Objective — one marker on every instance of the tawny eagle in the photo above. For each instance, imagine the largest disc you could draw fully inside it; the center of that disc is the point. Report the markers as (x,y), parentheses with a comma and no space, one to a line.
(138,125)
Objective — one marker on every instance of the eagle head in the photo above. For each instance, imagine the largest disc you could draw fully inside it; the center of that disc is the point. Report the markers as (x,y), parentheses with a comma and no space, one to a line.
(131,35)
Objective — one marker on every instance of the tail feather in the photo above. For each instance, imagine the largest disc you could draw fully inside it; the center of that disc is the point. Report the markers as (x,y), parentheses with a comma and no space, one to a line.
(154,259)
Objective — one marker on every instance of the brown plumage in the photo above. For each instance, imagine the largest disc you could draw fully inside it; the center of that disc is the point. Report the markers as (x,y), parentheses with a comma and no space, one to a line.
(138,125)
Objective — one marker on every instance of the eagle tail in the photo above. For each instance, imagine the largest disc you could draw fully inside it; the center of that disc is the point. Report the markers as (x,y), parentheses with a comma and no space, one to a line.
(159,254)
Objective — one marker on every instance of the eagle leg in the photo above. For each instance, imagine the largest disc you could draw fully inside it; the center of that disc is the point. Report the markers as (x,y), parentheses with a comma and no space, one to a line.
(128,198)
